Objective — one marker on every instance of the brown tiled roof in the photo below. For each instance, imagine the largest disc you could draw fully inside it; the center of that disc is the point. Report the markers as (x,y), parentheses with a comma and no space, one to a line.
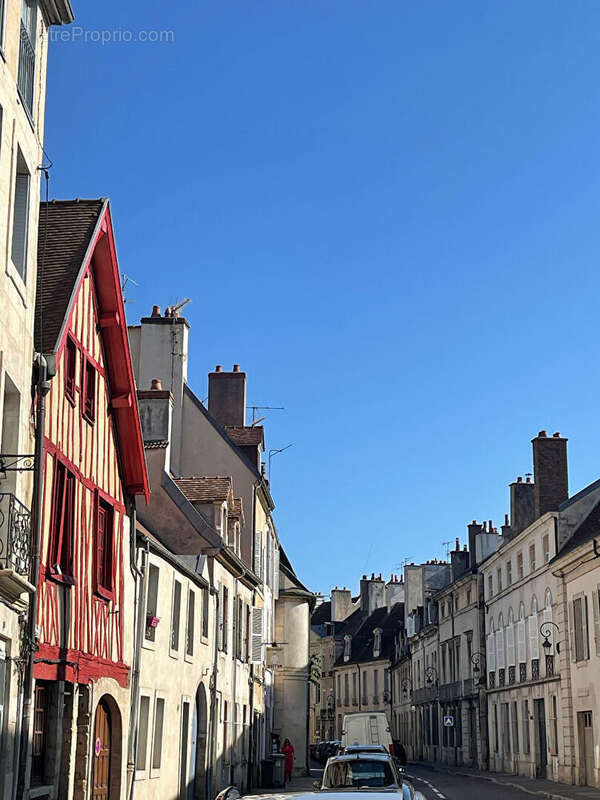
(236,510)
(157,444)
(245,435)
(65,231)
(206,489)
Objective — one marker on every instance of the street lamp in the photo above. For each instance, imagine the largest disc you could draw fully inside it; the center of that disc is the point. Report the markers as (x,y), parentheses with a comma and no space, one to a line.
(546,631)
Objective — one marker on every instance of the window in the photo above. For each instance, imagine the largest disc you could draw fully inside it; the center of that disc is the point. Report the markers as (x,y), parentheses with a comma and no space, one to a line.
(339,688)
(89,391)
(377,642)
(456,602)
(347,647)
(104,548)
(376,686)
(142,742)
(526,742)
(247,646)
(175,615)
(25,81)
(346,690)
(152,603)
(70,368)
(354,688)
(205,613)
(469,596)
(224,619)
(257,635)
(189,637)
(579,629)
(9,441)
(508,573)
(546,548)
(499,578)
(496,743)
(515,727)
(20,229)
(159,718)
(239,629)
(519,566)
(40,732)
(532,557)
(63,512)
(490,586)
(2,18)
(364,688)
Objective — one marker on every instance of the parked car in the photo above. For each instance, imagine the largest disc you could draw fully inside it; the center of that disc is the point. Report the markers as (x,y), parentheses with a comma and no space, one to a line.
(327,749)
(366,772)
(367,727)
(363,748)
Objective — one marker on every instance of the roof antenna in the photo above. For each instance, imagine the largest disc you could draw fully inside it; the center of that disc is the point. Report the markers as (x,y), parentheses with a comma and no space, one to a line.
(125,279)
(263,408)
(173,311)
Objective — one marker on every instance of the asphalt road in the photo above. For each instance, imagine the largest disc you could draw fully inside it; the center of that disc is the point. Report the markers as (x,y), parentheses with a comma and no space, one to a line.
(441,786)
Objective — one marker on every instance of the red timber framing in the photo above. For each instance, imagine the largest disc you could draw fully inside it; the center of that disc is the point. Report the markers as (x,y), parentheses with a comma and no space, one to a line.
(94,464)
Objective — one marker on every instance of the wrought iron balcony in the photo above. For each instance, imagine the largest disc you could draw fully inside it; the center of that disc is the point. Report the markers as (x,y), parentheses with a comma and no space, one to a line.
(15,542)
(451,691)
(15,535)
(26,69)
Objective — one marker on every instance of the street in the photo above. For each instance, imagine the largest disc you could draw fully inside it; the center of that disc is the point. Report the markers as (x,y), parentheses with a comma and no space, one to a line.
(442,786)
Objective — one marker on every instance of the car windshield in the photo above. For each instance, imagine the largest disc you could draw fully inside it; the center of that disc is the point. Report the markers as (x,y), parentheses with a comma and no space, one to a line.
(359,774)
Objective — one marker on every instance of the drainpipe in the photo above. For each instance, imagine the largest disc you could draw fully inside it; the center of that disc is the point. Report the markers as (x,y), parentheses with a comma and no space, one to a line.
(40,388)
(251,709)
(234,682)
(213,701)
(139,576)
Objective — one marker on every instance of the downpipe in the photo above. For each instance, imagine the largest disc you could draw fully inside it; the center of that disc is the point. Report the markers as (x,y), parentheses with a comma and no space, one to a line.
(40,386)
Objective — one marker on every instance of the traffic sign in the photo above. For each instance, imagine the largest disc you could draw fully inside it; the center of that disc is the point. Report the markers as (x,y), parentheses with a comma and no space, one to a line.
(449,722)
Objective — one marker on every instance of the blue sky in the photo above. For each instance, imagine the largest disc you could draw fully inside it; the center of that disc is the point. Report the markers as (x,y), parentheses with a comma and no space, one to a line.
(387,213)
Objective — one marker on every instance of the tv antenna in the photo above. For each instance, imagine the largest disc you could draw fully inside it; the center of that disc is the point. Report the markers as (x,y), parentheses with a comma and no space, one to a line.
(255,409)
(173,311)
(447,545)
(125,279)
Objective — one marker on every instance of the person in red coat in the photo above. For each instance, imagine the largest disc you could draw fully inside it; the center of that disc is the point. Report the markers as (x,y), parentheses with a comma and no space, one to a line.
(290,757)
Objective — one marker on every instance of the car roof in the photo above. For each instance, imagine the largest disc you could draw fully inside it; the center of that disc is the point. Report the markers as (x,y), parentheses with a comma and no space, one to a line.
(374,748)
(361,756)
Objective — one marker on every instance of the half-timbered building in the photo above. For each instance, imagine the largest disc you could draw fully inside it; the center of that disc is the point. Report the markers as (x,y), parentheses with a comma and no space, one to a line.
(94,467)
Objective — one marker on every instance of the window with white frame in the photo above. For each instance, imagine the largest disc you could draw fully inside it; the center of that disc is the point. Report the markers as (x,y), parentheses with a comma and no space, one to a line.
(141,759)
(546,548)
(175,616)
(520,572)
(578,623)
(27,54)
(509,572)
(532,564)
(157,736)
(490,585)
(20,224)
(499,578)
(190,626)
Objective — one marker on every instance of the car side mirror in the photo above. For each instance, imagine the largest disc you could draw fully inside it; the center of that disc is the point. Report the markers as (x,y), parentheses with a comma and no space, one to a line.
(230,793)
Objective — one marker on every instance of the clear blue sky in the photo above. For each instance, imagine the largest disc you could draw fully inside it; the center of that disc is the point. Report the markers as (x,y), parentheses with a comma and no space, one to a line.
(387,213)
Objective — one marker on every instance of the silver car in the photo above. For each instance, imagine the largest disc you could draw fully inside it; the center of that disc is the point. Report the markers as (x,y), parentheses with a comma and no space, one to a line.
(372,772)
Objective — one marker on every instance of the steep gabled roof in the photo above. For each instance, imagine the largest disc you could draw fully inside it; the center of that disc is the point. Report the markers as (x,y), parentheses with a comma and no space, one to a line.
(74,236)
(363,637)
(586,531)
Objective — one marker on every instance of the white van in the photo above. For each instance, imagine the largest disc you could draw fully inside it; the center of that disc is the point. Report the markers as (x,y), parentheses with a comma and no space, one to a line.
(367,727)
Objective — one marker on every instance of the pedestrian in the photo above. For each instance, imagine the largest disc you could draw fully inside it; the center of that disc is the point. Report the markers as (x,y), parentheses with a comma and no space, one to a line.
(290,757)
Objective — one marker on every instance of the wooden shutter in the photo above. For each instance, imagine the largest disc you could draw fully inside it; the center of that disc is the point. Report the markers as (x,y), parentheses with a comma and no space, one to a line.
(258,553)
(522,649)
(221,618)
(534,644)
(491,653)
(596,605)
(572,630)
(500,648)
(257,635)
(584,617)
(100,545)
(276,580)
(510,645)
(20,223)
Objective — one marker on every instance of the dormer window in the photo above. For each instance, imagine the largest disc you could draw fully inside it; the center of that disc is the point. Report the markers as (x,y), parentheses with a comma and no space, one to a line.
(377,642)
(224,523)
(347,647)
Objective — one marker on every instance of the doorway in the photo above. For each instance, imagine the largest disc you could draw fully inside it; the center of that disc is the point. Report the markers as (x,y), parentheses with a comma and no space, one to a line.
(586,747)
(473,734)
(198,754)
(102,753)
(541,741)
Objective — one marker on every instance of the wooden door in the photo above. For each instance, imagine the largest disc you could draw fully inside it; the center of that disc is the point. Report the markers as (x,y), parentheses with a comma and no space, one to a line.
(102,753)
(542,744)
(587,746)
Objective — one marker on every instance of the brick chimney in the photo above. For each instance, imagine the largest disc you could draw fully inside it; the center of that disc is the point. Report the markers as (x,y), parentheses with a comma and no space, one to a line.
(522,504)
(551,487)
(227,396)
(474,528)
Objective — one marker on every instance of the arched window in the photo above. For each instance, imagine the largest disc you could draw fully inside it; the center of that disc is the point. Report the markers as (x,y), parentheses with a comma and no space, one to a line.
(491,648)
(500,661)
(521,639)
(510,639)
(347,647)
(534,644)
(377,642)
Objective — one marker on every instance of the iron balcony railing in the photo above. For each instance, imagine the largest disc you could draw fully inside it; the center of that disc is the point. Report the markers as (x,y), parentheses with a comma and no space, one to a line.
(26,69)
(15,535)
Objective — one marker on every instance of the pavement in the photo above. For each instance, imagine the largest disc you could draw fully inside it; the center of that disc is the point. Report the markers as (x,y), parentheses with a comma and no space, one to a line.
(439,782)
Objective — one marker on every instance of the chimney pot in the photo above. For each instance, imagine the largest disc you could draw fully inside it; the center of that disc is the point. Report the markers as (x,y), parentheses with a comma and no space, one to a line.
(236,367)
(528,479)
(156,384)
(556,435)
(156,311)
(506,519)
(218,368)
(542,434)
(491,526)
(457,543)
(519,479)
